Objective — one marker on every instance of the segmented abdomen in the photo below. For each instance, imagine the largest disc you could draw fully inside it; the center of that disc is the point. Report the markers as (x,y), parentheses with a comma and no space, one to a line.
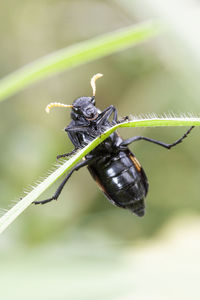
(122,180)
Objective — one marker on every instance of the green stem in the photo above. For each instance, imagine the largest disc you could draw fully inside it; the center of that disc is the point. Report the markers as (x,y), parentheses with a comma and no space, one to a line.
(16,210)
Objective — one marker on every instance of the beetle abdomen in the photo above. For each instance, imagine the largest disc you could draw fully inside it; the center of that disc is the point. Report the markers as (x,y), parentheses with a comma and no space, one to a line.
(122,180)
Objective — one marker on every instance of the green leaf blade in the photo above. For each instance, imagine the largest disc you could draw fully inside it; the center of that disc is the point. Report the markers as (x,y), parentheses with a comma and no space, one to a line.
(17,209)
(76,55)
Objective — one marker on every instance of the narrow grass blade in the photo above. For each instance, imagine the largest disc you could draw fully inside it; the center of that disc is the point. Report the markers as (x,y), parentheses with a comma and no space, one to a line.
(17,209)
(76,55)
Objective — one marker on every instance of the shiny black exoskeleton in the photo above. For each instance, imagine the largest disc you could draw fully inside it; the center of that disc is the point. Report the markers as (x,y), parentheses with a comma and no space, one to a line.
(112,165)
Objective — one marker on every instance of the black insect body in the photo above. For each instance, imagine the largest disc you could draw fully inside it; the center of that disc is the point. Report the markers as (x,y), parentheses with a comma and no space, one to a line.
(112,165)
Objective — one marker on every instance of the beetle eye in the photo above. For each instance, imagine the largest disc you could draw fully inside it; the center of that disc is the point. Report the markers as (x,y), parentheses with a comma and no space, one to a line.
(75,108)
(93,100)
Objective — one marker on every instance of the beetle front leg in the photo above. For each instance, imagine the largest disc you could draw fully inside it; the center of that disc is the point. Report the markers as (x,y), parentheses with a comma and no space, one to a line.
(105,115)
(167,146)
(71,131)
(67,154)
(61,186)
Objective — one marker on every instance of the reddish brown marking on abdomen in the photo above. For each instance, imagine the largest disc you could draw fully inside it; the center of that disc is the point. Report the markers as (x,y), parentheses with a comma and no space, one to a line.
(135,162)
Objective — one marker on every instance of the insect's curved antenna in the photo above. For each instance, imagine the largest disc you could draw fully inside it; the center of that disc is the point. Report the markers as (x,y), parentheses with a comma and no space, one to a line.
(56,104)
(93,80)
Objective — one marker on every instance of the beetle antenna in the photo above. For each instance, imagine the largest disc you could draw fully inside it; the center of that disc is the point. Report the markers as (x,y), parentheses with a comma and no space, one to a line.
(56,104)
(92,82)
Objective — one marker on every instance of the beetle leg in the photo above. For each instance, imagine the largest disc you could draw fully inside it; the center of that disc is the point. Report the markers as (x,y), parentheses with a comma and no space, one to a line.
(126,118)
(67,154)
(61,186)
(77,128)
(168,146)
(88,130)
(105,115)
(115,114)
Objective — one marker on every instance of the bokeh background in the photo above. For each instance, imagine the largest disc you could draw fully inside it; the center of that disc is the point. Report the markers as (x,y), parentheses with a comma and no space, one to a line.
(82,247)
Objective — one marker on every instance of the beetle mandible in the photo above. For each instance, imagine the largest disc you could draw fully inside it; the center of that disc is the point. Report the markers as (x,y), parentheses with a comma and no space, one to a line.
(112,165)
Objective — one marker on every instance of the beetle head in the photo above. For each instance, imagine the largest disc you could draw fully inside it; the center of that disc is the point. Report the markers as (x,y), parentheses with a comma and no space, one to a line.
(83,107)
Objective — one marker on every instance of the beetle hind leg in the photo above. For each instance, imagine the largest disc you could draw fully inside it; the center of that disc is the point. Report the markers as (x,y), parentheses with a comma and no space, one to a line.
(165,145)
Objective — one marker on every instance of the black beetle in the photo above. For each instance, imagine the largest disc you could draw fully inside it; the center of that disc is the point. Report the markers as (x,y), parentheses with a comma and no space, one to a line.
(112,165)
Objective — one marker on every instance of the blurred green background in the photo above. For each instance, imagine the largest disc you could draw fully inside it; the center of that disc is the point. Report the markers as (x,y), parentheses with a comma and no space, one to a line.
(82,247)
